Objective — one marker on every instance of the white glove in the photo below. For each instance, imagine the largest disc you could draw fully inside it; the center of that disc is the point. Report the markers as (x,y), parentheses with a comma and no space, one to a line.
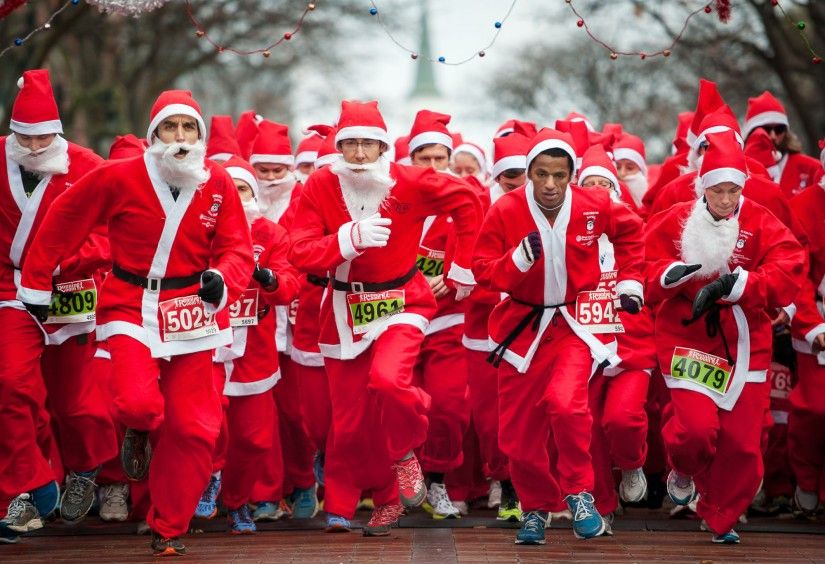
(370,232)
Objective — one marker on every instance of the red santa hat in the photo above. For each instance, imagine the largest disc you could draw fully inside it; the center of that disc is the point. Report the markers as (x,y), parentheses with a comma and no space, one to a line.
(720,120)
(613,128)
(222,144)
(509,152)
(35,110)
(474,150)
(328,151)
(762,110)
(272,146)
(457,138)
(680,144)
(548,138)
(402,150)
(579,133)
(724,161)
(173,103)
(126,146)
(632,148)
(247,131)
(596,162)
(307,150)
(239,169)
(430,127)
(580,118)
(526,128)
(760,148)
(708,101)
(361,120)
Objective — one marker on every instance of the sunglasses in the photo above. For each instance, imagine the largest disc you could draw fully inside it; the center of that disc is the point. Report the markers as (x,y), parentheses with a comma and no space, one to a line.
(779,128)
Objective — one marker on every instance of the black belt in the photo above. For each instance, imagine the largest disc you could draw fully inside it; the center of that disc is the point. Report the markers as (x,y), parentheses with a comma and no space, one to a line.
(534,315)
(156,284)
(318,280)
(359,287)
(713,326)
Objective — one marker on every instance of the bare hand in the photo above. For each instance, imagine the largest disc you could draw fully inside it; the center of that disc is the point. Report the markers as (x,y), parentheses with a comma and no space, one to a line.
(819,343)
(438,286)
(781,319)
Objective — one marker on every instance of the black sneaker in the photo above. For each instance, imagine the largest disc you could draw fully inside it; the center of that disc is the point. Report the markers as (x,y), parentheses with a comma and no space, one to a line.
(136,454)
(167,547)
(79,496)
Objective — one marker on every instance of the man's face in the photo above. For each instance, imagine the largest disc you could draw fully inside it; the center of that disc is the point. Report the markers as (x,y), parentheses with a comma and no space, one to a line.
(435,156)
(723,198)
(465,164)
(509,180)
(777,132)
(625,168)
(596,181)
(306,168)
(550,176)
(35,142)
(178,129)
(244,190)
(360,151)
(267,172)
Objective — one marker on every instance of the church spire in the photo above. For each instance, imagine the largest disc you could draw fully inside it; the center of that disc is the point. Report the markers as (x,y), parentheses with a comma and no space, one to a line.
(425,85)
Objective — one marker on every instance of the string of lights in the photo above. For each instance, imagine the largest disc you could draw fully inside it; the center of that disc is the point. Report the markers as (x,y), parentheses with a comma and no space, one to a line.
(20,41)
(800,28)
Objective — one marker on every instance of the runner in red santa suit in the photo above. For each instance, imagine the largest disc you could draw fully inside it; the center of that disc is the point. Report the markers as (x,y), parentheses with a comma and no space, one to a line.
(222,144)
(806,421)
(631,165)
(277,190)
(715,267)
(618,394)
(510,162)
(539,244)
(305,155)
(794,170)
(360,220)
(50,355)
(251,363)
(440,369)
(181,252)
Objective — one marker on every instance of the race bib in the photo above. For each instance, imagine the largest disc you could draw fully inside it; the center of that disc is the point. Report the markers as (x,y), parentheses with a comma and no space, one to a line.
(370,307)
(184,319)
(607,281)
(430,262)
(597,312)
(244,312)
(706,370)
(73,302)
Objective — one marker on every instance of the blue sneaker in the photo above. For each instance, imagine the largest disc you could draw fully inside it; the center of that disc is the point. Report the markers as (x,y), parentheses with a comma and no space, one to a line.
(46,499)
(587,523)
(731,537)
(208,505)
(270,511)
(533,524)
(304,503)
(240,521)
(7,536)
(318,467)
(680,488)
(338,524)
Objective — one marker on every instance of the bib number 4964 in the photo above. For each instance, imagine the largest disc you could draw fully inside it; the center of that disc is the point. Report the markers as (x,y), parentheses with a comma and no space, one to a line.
(185,318)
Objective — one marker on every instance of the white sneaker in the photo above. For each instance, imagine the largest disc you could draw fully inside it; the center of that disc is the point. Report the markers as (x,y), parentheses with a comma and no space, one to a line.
(681,488)
(807,502)
(494,497)
(633,488)
(113,502)
(439,501)
(462,507)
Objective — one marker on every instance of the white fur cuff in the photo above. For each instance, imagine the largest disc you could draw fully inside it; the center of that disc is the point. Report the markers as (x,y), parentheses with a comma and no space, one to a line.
(790,311)
(811,335)
(36,297)
(738,287)
(345,244)
(211,308)
(461,275)
(678,282)
(520,260)
(631,288)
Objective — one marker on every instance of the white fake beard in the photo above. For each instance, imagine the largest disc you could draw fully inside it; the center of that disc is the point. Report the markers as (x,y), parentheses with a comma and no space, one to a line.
(363,186)
(637,184)
(707,241)
(186,174)
(694,161)
(274,196)
(300,176)
(251,209)
(50,160)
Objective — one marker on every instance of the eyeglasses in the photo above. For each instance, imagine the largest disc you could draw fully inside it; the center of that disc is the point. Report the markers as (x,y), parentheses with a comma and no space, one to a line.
(778,128)
(365,144)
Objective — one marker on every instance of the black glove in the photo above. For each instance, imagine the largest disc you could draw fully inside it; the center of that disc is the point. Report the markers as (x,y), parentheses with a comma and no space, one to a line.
(40,312)
(211,287)
(531,247)
(265,276)
(708,295)
(630,304)
(679,271)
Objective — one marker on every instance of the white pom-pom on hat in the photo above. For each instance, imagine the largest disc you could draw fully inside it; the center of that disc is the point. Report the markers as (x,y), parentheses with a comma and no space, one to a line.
(20,82)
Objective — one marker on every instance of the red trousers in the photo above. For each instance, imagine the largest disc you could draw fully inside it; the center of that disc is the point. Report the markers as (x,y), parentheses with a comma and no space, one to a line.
(316,410)
(177,398)
(251,437)
(482,379)
(550,397)
(720,449)
(441,371)
(221,445)
(468,482)
(806,426)
(297,450)
(378,416)
(29,371)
